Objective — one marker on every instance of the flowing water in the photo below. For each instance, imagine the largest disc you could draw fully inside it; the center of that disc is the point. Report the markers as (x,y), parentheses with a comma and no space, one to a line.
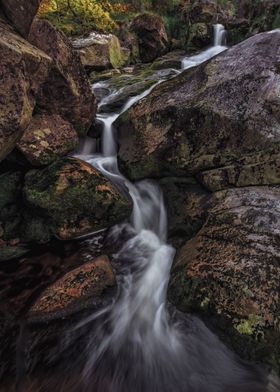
(139,343)
(218,47)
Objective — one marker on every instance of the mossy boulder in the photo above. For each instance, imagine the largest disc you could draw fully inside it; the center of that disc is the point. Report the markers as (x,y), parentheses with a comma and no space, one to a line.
(79,288)
(229,272)
(67,91)
(46,139)
(24,69)
(72,198)
(101,51)
(218,121)
(152,36)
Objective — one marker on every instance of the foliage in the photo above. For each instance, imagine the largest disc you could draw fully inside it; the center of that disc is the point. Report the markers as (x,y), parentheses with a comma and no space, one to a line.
(78,16)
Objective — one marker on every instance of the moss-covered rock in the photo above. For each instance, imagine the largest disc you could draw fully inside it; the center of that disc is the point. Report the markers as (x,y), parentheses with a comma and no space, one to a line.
(75,290)
(229,272)
(101,51)
(24,69)
(46,139)
(218,121)
(72,198)
(152,36)
(67,91)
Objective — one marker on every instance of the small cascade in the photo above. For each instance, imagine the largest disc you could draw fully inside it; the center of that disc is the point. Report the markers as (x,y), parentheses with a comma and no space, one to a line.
(136,343)
(219,46)
(219,35)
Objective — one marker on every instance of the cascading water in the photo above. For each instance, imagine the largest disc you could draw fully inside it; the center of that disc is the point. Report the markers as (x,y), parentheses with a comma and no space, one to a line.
(219,35)
(138,344)
(219,46)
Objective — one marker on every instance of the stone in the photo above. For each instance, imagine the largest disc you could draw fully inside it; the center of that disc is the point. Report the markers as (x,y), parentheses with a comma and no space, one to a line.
(70,198)
(101,51)
(152,37)
(219,121)
(20,13)
(67,91)
(229,272)
(23,70)
(46,139)
(81,287)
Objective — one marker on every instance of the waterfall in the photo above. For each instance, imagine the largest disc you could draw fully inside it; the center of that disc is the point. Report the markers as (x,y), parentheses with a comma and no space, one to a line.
(219,35)
(136,344)
(219,46)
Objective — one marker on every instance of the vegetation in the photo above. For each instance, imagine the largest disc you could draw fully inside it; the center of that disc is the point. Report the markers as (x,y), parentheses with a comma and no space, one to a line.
(82,16)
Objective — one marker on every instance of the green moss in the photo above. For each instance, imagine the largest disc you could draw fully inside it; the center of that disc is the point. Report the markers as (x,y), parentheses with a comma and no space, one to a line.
(250,325)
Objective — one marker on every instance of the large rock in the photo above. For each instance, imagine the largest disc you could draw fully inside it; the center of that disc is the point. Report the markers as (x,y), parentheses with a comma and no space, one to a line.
(46,139)
(229,271)
(67,91)
(76,290)
(219,121)
(20,13)
(23,70)
(152,37)
(100,51)
(70,198)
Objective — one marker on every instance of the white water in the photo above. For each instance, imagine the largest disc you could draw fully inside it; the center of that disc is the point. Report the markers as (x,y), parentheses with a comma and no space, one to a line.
(218,47)
(134,344)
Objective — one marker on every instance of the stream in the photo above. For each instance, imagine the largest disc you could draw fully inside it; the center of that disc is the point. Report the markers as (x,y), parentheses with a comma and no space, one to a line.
(139,343)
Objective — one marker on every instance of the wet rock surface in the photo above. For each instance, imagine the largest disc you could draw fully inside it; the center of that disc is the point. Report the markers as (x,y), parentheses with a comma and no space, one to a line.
(20,13)
(70,198)
(232,100)
(152,37)
(100,51)
(229,272)
(66,92)
(85,284)
(24,69)
(46,139)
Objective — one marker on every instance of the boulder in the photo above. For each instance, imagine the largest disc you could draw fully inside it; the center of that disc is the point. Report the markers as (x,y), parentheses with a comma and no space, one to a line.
(219,121)
(152,37)
(67,91)
(23,70)
(70,198)
(20,13)
(100,51)
(187,205)
(47,138)
(79,288)
(229,272)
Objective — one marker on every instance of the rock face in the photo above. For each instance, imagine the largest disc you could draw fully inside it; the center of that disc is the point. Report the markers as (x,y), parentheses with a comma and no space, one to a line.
(46,139)
(100,51)
(20,13)
(23,70)
(230,271)
(219,121)
(74,290)
(152,37)
(70,198)
(67,91)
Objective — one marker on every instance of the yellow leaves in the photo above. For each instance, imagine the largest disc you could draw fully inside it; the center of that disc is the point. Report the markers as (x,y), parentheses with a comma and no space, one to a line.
(85,15)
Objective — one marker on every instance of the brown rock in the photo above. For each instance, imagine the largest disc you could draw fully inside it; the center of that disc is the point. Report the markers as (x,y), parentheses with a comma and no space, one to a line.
(47,138)
(152,37)
(230,271)
(67,91)
(20,13)
(75,290)
(23,70)
(71,198)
